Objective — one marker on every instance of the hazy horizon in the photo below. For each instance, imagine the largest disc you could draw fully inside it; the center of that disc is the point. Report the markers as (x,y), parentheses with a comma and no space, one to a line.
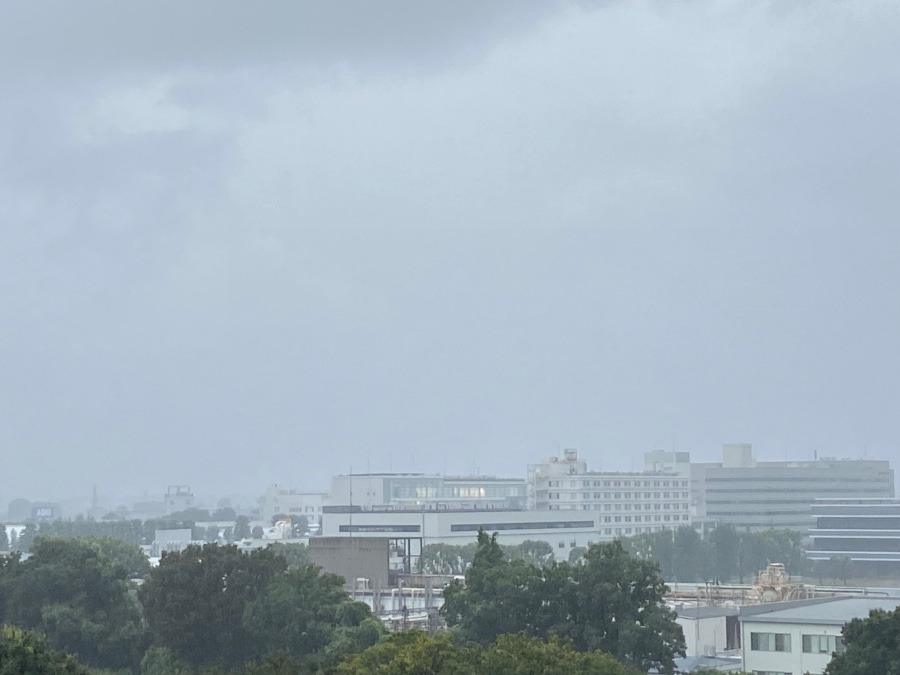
(244,247)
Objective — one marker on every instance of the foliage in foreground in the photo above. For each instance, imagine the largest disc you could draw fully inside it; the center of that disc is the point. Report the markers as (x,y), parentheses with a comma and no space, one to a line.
(873,646)
(611,602)
(23,651)
(415,653)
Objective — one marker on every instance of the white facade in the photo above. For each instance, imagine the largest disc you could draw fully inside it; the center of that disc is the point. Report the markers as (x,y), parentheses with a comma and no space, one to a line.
(796,638)
(709,631)
(178,498)
(417,490)
(288,501)
(624,504)
(563,531)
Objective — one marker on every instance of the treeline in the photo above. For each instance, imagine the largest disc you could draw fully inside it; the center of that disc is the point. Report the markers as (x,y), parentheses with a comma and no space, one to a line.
(451,559)
(138,532)
(608,601)
(214,609)
(205,607)
(726,554)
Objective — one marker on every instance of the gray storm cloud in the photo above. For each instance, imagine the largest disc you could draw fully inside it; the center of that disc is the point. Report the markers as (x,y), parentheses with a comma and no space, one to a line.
(241,247)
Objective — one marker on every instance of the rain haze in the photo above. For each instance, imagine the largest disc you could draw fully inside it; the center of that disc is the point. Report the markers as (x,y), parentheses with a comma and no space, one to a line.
(248,243)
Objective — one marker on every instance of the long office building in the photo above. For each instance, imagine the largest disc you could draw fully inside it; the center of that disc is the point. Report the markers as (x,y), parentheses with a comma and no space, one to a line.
(417,491)
(865,530)
(625,503)
(747,493)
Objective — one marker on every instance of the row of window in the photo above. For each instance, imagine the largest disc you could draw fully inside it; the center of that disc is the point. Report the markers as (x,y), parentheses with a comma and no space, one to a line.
(666,506)
(781,642)
(617,483)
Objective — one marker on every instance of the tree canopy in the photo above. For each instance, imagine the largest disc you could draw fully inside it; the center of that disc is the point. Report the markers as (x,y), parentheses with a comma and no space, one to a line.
(415,653)
(611,602)
(78,597)
(24,651)
(872,646)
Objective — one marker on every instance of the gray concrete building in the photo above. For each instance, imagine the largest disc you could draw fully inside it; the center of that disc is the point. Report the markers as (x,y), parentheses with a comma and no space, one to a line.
(746,493)
(867,531)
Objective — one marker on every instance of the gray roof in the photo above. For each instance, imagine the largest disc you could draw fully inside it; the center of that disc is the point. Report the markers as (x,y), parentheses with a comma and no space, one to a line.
(834,612)
(705,612)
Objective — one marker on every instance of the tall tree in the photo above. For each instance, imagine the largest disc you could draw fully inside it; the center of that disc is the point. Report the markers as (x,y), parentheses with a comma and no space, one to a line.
(725,542)
(609,601)
(78,598)
(499,596)
(300,612)
(872,646)
(241,527)
(614,603)
(194,601)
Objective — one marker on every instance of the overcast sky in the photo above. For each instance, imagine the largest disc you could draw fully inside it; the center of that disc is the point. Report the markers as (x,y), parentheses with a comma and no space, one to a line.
(246,243)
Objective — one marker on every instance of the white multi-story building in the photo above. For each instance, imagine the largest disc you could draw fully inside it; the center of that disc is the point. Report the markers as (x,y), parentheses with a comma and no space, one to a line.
(799,638)
(625,503)
(563,531)
(430,491)
(288,501)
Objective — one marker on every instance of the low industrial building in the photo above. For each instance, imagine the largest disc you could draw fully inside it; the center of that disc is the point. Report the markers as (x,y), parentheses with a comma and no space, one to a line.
(796,638)
(563,531)
(710,630)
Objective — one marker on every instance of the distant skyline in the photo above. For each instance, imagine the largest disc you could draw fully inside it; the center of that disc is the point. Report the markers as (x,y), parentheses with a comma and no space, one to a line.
(243,247)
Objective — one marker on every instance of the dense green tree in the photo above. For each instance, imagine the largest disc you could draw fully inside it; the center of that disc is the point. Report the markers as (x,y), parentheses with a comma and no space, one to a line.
(614,603)
(241,527)
(611,601)
(194,601)
(296,555)
(257,532)
(447,558)
(224,513)
(577,554)
(163,661)
(688,555)
(415,653)
(4,539)
(299,612)
(499,596)
(25,652)
(519,654)
(725,541)
(192,514)
(872,646)
(531,552)
(128,556)
(76,596)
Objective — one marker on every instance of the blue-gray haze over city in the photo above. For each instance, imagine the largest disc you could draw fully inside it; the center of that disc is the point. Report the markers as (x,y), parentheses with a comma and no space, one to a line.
(245,243)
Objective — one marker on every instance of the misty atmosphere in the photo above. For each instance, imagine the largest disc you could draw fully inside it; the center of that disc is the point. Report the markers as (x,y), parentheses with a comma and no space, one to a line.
(243,247)
(553,292)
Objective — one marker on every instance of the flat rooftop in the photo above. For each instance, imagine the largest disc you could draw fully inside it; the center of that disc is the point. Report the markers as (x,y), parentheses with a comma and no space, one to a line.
(833,612)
